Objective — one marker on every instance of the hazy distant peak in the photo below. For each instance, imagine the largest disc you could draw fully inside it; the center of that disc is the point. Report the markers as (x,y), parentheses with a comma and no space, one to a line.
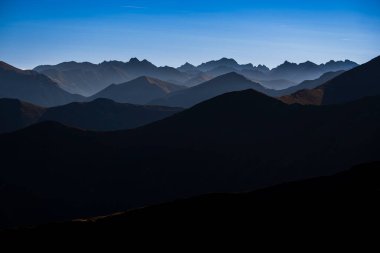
(261,68)
(145,61)
(68,63)
(308,63)
(134,60)
(228,60)
(64,66)
(288,63)
(345,61)
(217,63)
(137,62)
(111,62)
(187,65)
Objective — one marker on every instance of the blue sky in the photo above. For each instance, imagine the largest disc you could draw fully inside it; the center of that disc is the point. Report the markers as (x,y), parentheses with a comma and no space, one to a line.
(168,32)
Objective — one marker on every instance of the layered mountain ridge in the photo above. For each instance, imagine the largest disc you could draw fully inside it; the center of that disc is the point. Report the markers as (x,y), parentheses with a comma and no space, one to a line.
(187,154)
(98,115)
(87,78)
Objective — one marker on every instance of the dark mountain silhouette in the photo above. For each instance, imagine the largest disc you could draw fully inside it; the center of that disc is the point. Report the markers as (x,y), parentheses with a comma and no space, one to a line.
(349,86)
(308,70)
(223,62)
(234,142)
(15,114)
(217,86)
(305,206)
(310,84)
(138,91)
(106,115)
(99,115)
(32,87)
(87,78)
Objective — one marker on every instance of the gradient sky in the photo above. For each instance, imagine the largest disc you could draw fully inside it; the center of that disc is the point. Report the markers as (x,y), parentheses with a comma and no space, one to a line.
(168,32)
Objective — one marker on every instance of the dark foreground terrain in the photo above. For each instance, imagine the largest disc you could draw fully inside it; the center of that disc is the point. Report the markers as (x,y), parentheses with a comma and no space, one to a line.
(346,202)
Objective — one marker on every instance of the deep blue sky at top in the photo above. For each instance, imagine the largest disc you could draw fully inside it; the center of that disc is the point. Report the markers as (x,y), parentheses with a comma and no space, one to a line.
(169,32)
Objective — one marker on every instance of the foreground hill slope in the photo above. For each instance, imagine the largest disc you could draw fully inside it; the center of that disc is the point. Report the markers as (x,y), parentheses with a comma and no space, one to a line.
(320,202)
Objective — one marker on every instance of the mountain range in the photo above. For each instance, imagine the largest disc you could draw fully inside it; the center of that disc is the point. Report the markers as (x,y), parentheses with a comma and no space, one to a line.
(309,84)
(32,87)
(234,142)
(142,90)
(308,70)
(98,115)
(87,79)
(217,86)
(62,159)
(357,83)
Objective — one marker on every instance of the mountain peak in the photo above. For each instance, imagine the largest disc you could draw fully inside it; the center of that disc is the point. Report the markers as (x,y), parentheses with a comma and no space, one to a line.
(262,68)
(188,65)
(309,62)
(241,100)
(134,60)
(218,63)
(227,61)
(288,63)
(6,66)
